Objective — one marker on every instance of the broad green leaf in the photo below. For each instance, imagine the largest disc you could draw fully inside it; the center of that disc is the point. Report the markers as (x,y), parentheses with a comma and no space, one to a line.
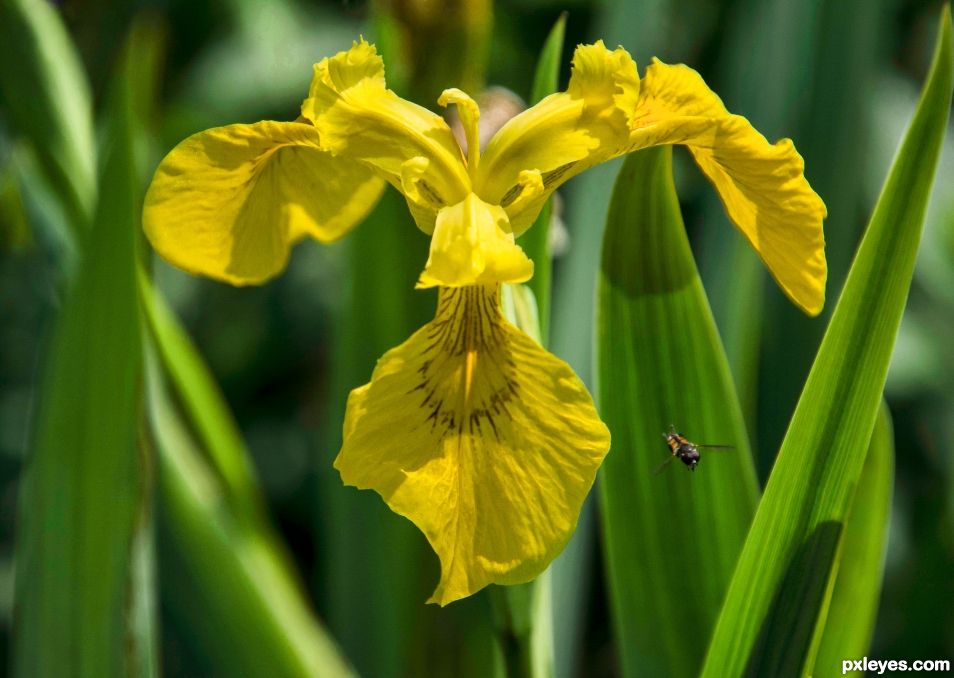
(778,599)
(83,488)
(536,241)
(672,539)
(241,603)
(854,600)
(47,94)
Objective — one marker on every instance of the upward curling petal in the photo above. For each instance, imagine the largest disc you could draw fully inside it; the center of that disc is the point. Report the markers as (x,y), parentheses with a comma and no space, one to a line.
(485,441)
(359,118)
(230,202)
(762,185)
(564,134)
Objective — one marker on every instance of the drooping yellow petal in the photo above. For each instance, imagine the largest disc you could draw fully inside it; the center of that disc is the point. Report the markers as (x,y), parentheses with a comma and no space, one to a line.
(358,117)
(230,202)
(485,441)
(762,185)
(563,134)
(472,243)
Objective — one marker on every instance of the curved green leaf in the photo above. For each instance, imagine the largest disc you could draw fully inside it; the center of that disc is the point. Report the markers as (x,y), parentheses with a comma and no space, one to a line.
(779,595)
(671,540)
(247,611)
(202,402)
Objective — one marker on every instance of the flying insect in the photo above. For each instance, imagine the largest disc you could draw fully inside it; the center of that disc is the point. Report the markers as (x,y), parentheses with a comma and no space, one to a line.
(684,450)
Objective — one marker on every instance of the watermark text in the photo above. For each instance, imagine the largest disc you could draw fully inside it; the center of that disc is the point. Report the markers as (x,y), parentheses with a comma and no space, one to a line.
(879,666)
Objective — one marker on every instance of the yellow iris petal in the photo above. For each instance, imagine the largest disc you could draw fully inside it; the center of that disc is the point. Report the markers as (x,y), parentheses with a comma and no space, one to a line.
(762,185)
(563,134)
(230,202)
(358,117)
(485,441)
(471,244)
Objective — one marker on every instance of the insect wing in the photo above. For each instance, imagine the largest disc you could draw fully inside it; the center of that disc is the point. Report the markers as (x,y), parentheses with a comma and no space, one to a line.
(662,466)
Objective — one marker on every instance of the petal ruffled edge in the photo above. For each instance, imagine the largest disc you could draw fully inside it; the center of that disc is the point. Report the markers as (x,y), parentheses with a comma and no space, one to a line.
(358,117)
(762,186)
(563,134)
(230,202)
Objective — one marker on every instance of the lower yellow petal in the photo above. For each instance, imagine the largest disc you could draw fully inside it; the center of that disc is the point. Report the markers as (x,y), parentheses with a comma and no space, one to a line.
(485,441)
(472,244)
(762,185)
(230,202)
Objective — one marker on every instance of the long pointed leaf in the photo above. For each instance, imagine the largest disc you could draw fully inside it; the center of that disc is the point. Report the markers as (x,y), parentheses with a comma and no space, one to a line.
(80,499)
(781,588)
(671,539)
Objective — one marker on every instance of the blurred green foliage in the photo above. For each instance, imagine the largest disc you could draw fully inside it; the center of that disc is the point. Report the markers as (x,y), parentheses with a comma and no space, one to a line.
(842,84)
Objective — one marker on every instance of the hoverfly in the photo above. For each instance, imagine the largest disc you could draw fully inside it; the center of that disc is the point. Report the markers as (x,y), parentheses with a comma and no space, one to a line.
(684,450)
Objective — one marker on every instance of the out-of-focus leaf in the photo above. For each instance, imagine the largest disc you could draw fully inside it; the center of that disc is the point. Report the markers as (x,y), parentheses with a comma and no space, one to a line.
(47,94)
(780,592)
(854,600)
(14,227)
(536,241)
(143,652)
(671,539)
(249,615)
(202,402)
(81,496)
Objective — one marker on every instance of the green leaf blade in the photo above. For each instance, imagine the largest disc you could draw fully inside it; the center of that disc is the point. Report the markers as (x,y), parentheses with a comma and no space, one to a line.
(770,624)
(854,602)
(671,539)
(83,491)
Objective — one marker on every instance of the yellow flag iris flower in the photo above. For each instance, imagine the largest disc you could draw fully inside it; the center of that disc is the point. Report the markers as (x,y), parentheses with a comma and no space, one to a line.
(470,429)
